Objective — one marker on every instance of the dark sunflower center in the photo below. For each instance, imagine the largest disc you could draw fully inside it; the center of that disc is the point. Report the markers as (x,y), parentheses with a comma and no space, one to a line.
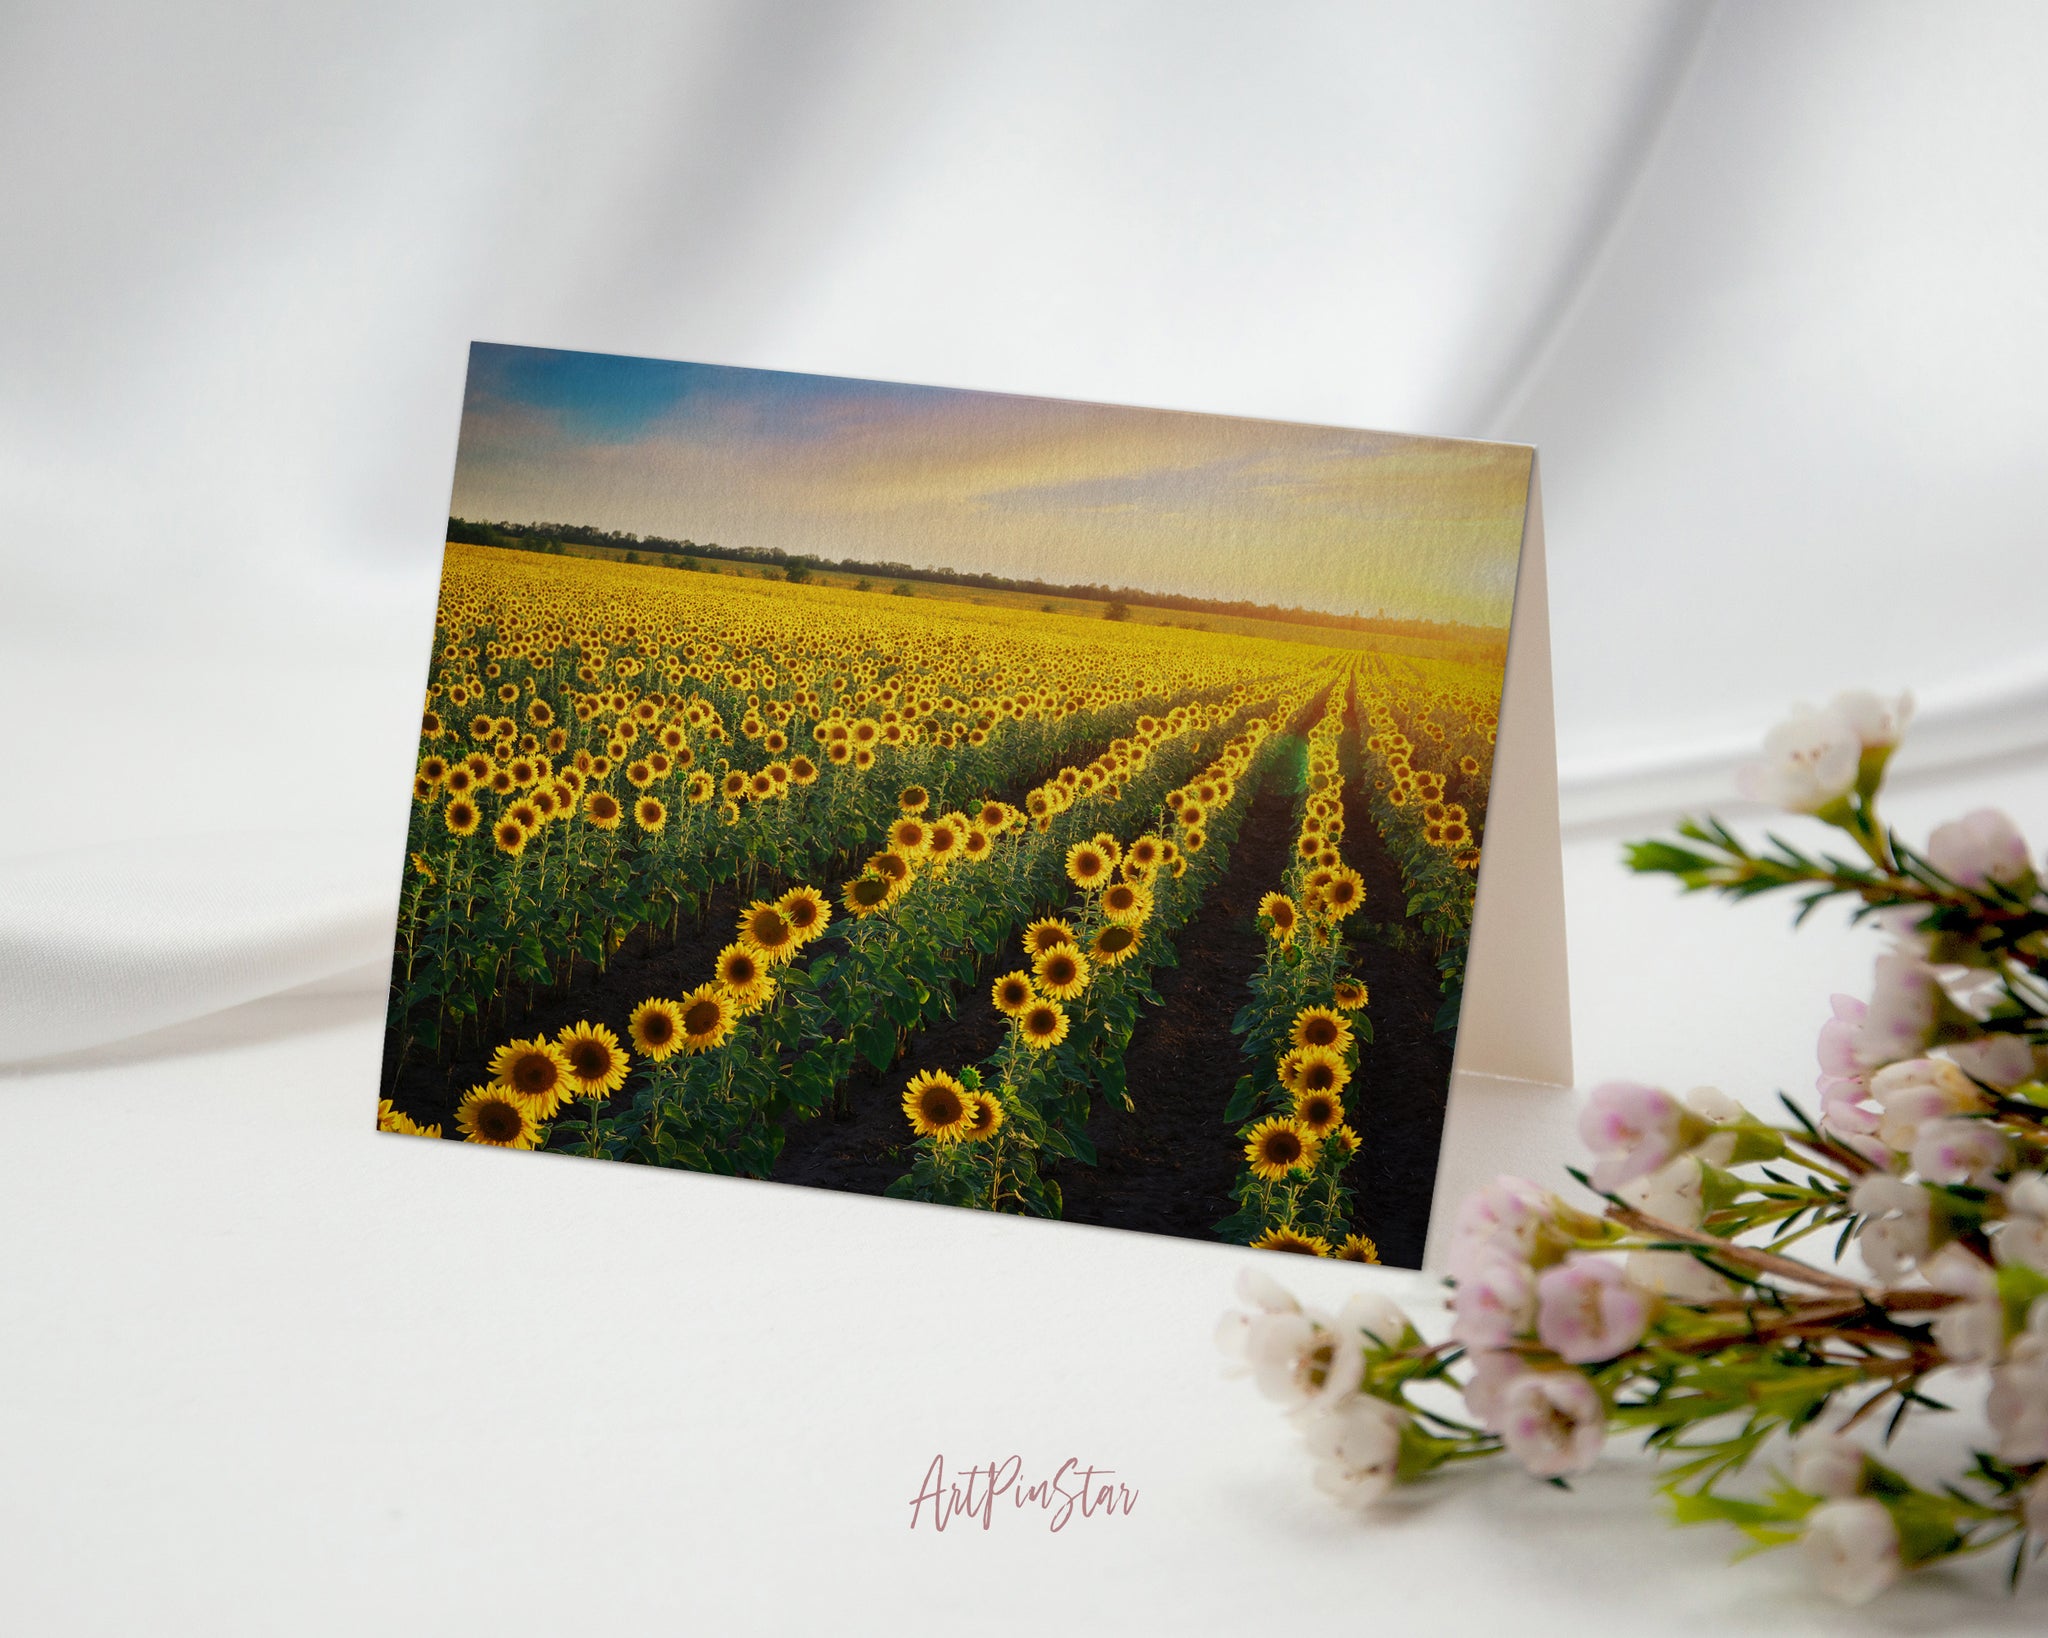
(769,929)
(1114,939)
(940,1106)
(590,1060)
(498,1121)
(702,1017)
(870,890)
(534,1073)
(1319,1032)
(1319,1077)
(740,971)
(657,1027)
(1283,1148)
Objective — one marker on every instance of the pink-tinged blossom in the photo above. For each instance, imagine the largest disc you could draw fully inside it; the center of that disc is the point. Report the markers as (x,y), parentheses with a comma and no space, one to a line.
(1632,1130)
(1503,1218)
(1553,1422)
(1262,1296)
(1586,1309)
(2002,1060)
(1852,1549)
(1493,1373)
(1495,1303)
(1357,1450)
(1955,1150)
(1978,849)
(1904,1005)
(1897,1231)
(1845,1107)
(1911,1094)
(1809,763)
(1825,1464)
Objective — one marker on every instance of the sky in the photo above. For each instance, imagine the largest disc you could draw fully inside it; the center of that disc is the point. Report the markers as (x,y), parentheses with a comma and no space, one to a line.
(1324,518)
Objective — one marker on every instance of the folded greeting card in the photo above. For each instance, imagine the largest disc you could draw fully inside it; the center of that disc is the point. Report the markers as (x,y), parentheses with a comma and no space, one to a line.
(1114,815)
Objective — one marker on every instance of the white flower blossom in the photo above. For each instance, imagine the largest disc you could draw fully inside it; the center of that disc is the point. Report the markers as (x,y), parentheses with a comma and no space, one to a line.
(1898,1224)
(1852,1548)
(1826,1464)
(1493,1372)
(2023,1237)
(1911,1094)
(1553,1422)
(1972,1331)
(1495,1303)
(1810,762)
(1673,1195)
(1301,1362)
(1502,1218)
(1378,1318)
(1262,1295)
(1980,848)
(1878,723)
(2017,1406)
(1357,1448)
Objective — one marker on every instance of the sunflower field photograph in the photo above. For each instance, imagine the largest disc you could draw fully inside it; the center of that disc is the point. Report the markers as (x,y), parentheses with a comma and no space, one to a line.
(1027,805)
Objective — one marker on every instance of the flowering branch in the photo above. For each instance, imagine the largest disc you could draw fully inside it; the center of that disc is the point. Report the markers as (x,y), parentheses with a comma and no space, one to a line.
(1678,1313)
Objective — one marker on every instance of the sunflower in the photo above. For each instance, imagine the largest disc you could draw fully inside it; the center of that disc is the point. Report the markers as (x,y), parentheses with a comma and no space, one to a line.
(1276,1146)
(1345,893)
(909,836)
(1320,1112)
(942,838)
(535,1071)
(1287,1239)
(1012,993)
(802,771)
(864,895)
(1042,1024)
(914,799)
(1321,1027)
(1061,972)
(1141,857)
(1193,840)
(490,1114)
(396,1120)
(1048,934)
(766,931)
(807,910)
(1349,995)
(938,1106)
(1087,866)
(1113,944)
(984,1115)
(1344,1140)
(525,815)
(461,816)
(1280,910)
(993,816)
(975,845)
(1318,1069)
(1112,849)
(742,970)
(510,835)
(1127,903)
(1357,1248)
(603,808)
(708,1015)
(1468,860)
(459,780)
(597,1063)
(649,814)
(656,1027)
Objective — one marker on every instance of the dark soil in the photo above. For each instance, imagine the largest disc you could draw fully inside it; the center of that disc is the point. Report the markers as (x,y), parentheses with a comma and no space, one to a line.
(1404,1077)
(1167,1166)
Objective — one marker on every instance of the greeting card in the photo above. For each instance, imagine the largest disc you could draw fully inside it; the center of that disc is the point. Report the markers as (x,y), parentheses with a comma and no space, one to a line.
(1121,816)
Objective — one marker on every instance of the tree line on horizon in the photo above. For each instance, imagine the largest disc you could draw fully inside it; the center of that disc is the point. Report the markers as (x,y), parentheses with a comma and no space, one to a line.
(800,566)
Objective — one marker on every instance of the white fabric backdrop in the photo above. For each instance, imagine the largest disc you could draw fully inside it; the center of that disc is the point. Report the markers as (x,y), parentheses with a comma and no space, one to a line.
(1763,282)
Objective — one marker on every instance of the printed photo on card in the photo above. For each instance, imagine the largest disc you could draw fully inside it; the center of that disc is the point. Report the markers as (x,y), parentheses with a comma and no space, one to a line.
(1031,806)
